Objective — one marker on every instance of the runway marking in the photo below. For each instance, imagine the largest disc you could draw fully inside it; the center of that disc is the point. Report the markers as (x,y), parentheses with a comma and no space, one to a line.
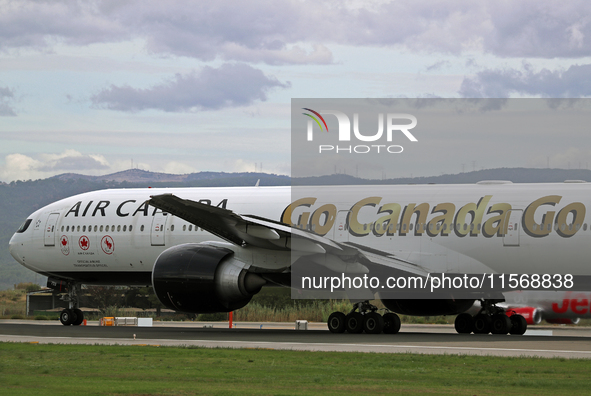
(308,346)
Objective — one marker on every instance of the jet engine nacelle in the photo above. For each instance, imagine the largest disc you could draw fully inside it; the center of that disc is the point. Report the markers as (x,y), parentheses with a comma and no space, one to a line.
(200,278)
(564,320)
(428,307)
(532,315)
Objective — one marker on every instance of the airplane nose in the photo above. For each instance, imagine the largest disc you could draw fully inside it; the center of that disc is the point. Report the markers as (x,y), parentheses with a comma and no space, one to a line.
(15,249)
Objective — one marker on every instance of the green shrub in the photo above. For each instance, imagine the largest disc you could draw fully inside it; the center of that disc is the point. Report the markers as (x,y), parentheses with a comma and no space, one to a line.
(213,317)
(17,317)
(32,287)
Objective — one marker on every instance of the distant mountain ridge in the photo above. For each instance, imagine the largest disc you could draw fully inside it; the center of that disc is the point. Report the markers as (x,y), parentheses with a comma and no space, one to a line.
(516,175)
(143,176)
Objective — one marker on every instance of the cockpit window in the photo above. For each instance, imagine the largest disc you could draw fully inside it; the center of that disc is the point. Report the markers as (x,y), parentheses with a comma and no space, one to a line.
(24,226)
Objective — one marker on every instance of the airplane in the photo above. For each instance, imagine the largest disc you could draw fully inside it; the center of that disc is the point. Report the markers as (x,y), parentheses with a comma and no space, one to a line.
(555,307)
(212,249)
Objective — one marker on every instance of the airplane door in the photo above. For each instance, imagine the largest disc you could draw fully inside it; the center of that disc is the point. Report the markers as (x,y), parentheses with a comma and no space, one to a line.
(511,237)
(341,227)
(50,229)
(158,229)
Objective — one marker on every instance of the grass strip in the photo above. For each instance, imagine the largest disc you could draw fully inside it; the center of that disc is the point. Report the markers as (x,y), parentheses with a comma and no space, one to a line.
(33,369)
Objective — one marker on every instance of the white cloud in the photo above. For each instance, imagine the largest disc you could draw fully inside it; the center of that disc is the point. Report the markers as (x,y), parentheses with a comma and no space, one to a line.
(22,167)
(178,168)
(6,99)
(571,158)
(229,85)
(574,82)
(268,31)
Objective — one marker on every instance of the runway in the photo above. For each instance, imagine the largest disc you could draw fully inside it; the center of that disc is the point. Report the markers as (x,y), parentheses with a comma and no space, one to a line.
(428,339)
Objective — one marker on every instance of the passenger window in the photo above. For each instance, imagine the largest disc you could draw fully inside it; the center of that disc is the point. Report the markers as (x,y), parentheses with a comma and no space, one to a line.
(84,229)
(102,229)
(78,229)
(142,228)
(95,228)
(184,227)
(190,227)
(124,228)
(130,227)
(118,228)
(68,229)
(172,228)
(62,229)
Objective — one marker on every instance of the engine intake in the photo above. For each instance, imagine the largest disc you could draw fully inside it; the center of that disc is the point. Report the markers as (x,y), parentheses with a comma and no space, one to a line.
(199,278)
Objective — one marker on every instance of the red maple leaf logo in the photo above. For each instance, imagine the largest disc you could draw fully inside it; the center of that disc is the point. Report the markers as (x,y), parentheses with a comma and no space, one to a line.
(84,242)
(64,241)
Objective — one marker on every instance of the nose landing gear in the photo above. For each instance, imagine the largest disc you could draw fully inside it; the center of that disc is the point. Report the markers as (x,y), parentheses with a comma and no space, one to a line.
(72,315)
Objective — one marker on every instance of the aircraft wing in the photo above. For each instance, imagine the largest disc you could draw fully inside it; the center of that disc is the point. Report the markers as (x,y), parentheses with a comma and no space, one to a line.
(243,230)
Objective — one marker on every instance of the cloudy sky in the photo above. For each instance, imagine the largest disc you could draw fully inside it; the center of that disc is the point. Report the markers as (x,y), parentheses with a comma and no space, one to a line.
(177,86)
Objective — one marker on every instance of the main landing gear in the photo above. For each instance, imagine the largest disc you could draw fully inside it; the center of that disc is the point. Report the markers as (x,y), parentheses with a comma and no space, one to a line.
(72,315)
(490,319)
(364,317)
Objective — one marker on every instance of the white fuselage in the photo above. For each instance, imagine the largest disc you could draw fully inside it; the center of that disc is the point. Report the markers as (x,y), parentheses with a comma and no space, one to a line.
(503,228)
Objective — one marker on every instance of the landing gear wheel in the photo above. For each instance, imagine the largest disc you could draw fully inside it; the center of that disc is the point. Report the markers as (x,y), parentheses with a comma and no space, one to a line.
(336,322)
(464,323)
(482,324)
(391,323)
(67,317)
(79,317)
(501,324)
(373,323)
(354,322)
(519,325)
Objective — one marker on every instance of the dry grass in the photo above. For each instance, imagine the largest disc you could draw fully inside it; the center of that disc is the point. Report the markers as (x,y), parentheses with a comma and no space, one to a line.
(12,302)
(312,311)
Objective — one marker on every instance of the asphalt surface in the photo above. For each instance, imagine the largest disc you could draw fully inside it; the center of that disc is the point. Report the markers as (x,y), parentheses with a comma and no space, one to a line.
(568,342)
